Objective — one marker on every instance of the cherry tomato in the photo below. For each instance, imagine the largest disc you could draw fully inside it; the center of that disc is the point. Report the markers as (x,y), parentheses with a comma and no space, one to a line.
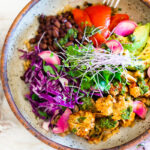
(100,38)
(81,18)
(116,19)
(100,15)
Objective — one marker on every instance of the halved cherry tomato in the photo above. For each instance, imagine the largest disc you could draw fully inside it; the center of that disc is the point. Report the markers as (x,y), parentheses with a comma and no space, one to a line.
(100,38)
(116,19)
(81,18)
(100,15)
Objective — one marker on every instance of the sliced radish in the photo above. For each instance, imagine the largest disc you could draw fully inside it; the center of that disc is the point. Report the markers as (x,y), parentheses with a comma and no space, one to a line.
(125,28)
(148,72)
(115,46)
(62,124)
(50,57)
(45,125)
(140,109)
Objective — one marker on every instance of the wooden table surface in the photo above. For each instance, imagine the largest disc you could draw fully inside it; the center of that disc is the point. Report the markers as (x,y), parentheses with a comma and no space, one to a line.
(13,136)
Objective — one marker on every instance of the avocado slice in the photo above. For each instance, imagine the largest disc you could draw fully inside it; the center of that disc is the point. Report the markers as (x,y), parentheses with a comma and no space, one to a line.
(145,54)
(141,34)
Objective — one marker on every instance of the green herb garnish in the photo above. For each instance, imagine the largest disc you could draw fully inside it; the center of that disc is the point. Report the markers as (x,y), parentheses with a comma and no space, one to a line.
(48,69)
(33,68)
(35,97)
(43,114)
(74,130)
(107,123)
(127,113)
(87,104)
(81,119)
(71,32)
(90,31)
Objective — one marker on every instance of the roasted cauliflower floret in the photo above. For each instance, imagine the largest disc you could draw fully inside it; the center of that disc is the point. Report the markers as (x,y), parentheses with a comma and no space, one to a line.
(129,122)
(105,105)
(115,89)
(120,106)
(81,123)
(135,91)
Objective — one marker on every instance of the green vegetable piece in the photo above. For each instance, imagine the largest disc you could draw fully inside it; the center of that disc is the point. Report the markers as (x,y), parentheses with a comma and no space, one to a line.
(49,68)
(87,104)
(81,119)
(58,67)
(35,97)
(143,87)
(127,113)
(132,38)
(33,68)
(71,32)
(90,31)
(107,123)
(43,114)
(74,130)
(52,54)
(141,34)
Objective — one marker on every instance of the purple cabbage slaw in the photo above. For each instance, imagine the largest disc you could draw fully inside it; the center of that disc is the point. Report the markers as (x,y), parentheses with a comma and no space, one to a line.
(51,92)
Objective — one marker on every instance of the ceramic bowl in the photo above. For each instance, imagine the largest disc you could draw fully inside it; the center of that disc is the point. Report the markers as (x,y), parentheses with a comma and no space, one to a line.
(23,28)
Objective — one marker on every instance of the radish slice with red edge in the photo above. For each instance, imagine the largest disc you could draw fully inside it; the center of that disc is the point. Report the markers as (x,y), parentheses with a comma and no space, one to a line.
(140,109)
(148,72)
(125,28)
(115,46)
(62,124)
(50,57)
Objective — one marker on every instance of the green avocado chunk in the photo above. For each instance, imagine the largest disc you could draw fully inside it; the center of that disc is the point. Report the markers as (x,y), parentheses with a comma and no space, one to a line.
(141,34)
(145,55)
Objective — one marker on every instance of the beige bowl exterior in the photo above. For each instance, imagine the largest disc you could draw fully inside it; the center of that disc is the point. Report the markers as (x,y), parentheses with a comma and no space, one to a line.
(23,28)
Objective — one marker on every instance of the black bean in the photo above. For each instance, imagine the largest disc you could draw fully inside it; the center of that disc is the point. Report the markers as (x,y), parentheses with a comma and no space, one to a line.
(38,37)
(62,34)
(44,41)
(80,36)
(41,19)
(68,25)
(54,46)
(64,20)
(63,27)
(42,26)
(50,41)
(71,38)
(39,30)
(33,41)
(55,33)
(50,33)
(43,46)
(68,44)
(55,28)
(60,17)
(57,24)
(51,48)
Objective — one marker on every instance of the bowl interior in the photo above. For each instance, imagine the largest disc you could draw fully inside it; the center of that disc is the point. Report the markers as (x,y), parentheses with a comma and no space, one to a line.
(26,29)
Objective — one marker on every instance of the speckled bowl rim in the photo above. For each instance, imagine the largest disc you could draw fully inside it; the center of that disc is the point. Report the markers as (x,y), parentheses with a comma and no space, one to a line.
(15,109)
